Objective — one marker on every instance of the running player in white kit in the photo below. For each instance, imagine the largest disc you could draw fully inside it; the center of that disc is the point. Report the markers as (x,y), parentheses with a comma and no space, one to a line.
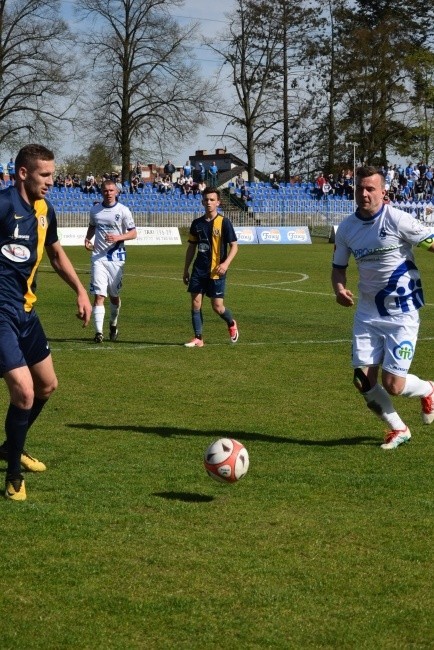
(386,324)
(111,223)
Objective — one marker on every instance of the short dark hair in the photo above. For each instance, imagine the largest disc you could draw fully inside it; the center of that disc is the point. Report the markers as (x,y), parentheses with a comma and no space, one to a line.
(30,153)
(368,170)
(211,190)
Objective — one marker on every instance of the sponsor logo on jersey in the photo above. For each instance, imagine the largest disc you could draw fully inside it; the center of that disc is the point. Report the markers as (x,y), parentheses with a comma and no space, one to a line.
(365,252)
(16,234)
(404,351)
(16,252)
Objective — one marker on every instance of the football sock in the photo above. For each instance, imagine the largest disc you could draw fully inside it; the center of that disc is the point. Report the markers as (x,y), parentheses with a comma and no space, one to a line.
(227,316)
(16,426)
(379,402)
(415,387)
(38,405)
(197,320)
(114,313)
(98,317)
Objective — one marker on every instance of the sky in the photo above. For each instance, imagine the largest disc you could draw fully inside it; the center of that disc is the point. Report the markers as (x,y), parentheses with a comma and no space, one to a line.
(211,18)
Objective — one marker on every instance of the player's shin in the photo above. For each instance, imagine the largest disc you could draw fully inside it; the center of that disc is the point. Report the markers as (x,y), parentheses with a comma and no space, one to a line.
(114,312)
(378,401)
(98,317)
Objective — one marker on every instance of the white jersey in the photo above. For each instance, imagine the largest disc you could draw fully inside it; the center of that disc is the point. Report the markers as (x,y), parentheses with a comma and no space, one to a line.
(116,219)
(389,280)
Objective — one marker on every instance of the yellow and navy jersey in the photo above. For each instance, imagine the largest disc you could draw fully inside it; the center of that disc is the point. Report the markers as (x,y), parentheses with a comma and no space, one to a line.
(212,239)
(24,231)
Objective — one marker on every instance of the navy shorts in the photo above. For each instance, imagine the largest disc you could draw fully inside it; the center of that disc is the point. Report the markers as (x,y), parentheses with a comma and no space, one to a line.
(22,339)
(206,286)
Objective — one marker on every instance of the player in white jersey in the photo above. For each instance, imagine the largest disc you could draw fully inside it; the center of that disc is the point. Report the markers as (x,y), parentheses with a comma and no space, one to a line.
(111,223)
(386,323)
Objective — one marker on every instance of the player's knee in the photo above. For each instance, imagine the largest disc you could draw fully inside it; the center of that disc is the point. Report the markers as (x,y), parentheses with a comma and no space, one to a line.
(44,390)
(393,385)
(51,387)
(22,396)
(361,381)
(218,307)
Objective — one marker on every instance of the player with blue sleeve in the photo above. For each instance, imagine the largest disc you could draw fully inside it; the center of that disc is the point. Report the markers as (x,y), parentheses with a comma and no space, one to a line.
(386,323)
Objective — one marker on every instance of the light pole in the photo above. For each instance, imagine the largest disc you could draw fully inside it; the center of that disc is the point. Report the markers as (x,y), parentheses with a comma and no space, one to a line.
(353,145)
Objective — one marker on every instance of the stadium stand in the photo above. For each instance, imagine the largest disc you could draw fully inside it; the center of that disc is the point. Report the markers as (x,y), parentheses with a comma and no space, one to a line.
(290,205)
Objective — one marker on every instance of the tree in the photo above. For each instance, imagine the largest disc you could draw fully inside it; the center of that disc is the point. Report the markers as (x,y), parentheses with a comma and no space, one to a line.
(248,50)
(97,160)
(145,92)
(378,44)
(291,101)
(419,143)
(33,85)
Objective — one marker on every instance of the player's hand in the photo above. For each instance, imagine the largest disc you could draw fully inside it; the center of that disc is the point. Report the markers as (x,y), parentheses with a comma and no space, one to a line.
(345,298)
(88,245)
(186,278)
(84,312)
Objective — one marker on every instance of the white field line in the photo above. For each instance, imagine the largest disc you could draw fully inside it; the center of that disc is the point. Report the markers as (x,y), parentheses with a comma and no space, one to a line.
(106,347)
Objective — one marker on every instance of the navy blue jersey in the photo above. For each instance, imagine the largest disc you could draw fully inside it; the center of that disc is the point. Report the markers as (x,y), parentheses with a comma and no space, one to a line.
(212,239)
(24,231)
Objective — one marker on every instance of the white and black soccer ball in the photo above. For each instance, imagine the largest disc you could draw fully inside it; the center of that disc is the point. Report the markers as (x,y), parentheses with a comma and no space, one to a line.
(226,460)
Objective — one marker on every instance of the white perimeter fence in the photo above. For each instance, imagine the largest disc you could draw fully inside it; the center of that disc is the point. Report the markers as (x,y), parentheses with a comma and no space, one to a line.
(318,216)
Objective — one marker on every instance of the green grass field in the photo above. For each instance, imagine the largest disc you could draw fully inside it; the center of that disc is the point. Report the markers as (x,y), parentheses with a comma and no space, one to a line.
(125,542)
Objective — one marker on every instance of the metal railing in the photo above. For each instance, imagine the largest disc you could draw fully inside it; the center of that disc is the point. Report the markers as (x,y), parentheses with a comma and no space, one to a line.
(183,219)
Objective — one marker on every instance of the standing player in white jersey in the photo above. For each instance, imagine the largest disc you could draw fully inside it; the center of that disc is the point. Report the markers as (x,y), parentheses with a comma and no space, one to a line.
(112,224)
(380,238)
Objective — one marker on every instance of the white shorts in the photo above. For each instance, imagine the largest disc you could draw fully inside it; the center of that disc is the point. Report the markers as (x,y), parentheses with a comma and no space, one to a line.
(389,342)
(106,278)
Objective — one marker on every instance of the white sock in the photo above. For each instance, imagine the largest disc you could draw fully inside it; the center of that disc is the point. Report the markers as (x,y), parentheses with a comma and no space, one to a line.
(114,313)
(415,387)
(98,317)
(379,402)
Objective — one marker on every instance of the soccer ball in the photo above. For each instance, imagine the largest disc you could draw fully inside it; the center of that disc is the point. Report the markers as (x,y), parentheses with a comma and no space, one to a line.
(226,460)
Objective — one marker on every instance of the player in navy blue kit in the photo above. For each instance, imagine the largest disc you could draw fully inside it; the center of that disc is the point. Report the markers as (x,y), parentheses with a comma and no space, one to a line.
(386,324)
(211,235)
(28,226)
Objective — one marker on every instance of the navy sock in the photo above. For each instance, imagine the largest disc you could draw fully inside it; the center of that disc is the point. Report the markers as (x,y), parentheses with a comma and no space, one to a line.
(16,427)
(38,405)
(227,316)
(197,321)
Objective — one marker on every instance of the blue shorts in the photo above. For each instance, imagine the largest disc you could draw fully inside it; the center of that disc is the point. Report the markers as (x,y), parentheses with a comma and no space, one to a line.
(22,339)
(206,286)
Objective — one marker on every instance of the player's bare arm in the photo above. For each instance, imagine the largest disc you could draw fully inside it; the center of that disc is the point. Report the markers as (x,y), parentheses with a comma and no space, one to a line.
(189,255)
(223,266)
(131,234)
(63,267)
(88,239)
(343,295)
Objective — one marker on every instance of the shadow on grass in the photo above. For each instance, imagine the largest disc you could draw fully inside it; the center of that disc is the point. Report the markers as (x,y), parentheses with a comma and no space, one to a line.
(242,436)
(184,496)
(107,342)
